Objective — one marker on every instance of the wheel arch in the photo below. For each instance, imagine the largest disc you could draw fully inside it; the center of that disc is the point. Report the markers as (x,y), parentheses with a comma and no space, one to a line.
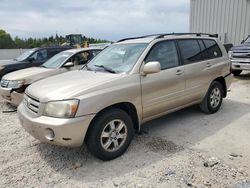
(128,107)
(222,81)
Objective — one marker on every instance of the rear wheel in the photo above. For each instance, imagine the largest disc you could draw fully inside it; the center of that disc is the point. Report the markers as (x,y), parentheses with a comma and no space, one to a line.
(236,72)
(213,99)
(110,134)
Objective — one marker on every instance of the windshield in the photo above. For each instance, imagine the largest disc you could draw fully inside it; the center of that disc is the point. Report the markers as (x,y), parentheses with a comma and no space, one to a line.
(247,40)
(117,58)
(24,55)
(58,60)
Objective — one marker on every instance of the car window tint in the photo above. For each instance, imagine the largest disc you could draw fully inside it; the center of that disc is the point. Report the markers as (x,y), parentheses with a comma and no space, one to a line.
(212,49)
(40,56)
(165,53)
(190,51)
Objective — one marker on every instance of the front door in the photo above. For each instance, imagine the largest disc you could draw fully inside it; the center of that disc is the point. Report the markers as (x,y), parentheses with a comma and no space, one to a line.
(163,91)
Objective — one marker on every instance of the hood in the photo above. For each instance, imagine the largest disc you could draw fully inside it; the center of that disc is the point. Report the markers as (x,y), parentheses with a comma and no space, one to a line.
(241,47)
(7,62)
(30,74)
(69,85)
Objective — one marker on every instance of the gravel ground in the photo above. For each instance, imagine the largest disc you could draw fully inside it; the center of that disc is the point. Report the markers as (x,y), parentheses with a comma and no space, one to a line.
(184,149)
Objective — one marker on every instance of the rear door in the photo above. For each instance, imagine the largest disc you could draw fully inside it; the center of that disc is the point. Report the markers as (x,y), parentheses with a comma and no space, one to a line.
(197,68)
(163,91)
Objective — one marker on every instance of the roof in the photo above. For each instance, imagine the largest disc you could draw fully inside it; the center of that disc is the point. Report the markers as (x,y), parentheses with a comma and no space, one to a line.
(76,50)
(52,47)
(138,40)
(150,38)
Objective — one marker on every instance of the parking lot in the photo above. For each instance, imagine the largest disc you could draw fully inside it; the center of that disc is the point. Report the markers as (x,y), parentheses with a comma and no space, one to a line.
(185,148)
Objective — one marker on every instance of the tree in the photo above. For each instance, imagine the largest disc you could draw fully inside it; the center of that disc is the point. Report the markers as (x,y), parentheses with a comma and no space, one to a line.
(19,43)
(5,40)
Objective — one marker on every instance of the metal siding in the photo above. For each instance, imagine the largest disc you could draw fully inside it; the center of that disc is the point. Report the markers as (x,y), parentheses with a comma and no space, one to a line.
(221,16)
(244,19)
(240,24)
(227,20)
(247,29)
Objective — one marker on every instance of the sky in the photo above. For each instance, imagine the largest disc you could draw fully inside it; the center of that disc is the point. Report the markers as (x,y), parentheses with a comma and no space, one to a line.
(103,19)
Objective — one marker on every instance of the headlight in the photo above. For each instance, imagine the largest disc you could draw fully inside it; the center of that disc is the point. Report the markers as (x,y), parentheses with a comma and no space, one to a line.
(230,54)
(61,109)
(15,84)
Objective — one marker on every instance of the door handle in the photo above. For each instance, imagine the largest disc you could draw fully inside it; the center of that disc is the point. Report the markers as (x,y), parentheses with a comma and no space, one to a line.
(209,65)
(179,72)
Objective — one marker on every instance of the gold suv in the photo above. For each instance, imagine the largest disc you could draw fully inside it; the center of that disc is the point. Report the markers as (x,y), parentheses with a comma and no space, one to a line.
(132,81)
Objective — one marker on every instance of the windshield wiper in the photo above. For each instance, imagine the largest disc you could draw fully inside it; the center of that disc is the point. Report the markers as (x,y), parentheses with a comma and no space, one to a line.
(108,69)
(43,66)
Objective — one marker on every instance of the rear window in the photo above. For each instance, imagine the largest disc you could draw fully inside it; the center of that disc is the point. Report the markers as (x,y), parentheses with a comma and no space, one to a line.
(190,51)
(213,50)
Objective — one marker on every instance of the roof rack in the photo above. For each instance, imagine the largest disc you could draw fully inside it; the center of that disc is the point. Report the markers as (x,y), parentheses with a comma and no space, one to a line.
(144,36)
(195,34)
(157,36)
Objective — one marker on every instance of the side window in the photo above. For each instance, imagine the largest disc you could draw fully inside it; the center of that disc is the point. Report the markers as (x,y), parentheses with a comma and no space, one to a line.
(190,51)
(40,56)
(203,50)
(213,49)
(165,53)
(81,58)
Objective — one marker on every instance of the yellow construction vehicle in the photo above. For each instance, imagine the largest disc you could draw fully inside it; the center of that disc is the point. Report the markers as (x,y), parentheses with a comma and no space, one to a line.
(76,40)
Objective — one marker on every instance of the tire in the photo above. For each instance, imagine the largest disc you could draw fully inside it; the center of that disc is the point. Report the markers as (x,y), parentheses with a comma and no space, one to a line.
(102,139)
(236,72)
(213,99)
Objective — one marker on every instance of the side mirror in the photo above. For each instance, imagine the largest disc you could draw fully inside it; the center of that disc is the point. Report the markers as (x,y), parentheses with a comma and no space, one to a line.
(151,67)
(68,65)
(242,41)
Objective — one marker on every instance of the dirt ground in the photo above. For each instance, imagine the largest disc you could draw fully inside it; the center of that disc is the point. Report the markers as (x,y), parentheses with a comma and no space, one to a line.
(184,149)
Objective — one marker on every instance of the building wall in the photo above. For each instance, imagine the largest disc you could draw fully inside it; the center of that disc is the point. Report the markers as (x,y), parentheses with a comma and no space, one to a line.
(229,18)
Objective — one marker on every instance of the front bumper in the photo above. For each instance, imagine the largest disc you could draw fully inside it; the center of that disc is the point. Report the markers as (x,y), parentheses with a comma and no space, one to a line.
(11,96)
(67,132)
(240,64)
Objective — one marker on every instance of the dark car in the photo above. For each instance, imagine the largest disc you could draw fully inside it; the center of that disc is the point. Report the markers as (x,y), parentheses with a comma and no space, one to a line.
(240,57)
(30,58)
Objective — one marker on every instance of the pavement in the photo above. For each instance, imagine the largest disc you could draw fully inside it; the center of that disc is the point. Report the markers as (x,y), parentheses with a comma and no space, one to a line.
(183,149)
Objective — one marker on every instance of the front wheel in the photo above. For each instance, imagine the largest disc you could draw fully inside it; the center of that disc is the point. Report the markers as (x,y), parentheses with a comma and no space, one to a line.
(110,134)
(213,99)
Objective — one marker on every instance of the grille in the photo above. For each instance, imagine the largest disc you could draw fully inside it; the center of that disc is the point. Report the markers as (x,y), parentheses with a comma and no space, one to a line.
(241,54)
(4,83)
(31,103)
